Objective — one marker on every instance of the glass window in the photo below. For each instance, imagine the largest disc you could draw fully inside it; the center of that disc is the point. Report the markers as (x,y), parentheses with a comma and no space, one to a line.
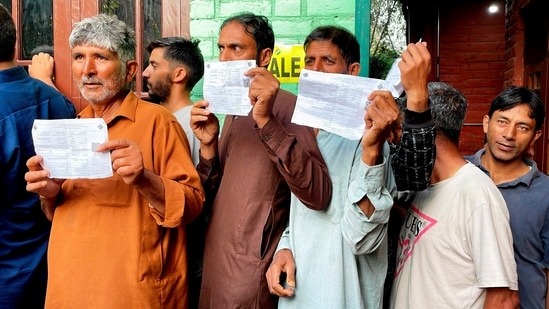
(151,22)
(124,9)
(37,27)
(6,4)
(152,29)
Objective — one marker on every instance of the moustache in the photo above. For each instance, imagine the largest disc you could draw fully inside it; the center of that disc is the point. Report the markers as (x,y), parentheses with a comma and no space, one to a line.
(92,80)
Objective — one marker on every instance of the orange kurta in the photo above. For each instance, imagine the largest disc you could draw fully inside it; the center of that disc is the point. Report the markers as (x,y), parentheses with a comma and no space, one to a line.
(108,248)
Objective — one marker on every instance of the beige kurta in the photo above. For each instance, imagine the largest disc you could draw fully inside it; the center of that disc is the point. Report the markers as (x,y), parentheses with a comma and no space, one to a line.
(108,249)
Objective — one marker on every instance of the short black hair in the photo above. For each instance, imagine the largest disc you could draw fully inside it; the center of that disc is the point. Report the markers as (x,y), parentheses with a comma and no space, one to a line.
(516,95)
(346,42)
(181,51)
(257,26)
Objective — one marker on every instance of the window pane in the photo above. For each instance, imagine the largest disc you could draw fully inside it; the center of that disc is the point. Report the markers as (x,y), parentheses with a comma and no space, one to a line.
(6,4)
(152,20)
(124,9)
(152,26)
(37,26)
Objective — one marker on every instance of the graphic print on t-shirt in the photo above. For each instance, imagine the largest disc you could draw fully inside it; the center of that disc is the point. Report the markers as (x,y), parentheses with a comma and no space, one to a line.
(415,225)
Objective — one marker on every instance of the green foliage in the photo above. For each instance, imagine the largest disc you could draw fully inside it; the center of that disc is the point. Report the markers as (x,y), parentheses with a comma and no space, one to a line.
(110,7)
(380,63)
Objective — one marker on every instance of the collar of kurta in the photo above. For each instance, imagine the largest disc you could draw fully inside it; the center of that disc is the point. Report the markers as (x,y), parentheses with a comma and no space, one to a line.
(127,109)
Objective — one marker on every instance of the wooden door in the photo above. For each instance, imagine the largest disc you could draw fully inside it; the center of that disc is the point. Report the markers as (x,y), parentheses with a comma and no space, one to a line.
(49,22)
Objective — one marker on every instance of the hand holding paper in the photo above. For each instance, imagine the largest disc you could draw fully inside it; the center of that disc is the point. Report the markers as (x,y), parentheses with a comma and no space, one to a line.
(127,159)
(68,147)
(263,90)
(226,86)
(38,180)
(334,102)
(381,117)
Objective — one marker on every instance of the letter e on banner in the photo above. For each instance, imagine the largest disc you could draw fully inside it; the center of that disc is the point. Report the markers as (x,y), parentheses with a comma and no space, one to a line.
(287,62)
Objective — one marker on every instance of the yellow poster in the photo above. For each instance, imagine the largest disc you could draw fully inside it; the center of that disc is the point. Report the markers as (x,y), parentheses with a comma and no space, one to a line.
(287,62)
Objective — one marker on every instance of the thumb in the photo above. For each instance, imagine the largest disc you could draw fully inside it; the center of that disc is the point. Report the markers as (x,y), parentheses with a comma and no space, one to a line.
(290,275)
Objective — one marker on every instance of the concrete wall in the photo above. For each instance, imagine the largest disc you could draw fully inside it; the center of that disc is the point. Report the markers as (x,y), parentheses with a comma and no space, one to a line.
(292,21)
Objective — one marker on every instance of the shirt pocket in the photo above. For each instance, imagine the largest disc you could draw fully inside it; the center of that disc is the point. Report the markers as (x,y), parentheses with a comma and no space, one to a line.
(105,192)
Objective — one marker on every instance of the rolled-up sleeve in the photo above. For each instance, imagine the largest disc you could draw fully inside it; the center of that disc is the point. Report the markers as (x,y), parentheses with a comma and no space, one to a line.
(365,234)
(184,195)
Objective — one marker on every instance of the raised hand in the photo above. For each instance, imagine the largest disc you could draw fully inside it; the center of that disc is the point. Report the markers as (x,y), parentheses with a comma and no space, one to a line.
(263,90)
(381,118)
(205,126)
(414,73)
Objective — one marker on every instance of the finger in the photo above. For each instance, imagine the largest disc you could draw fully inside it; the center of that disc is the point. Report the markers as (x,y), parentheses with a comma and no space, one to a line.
(255,72)
(36,176)
(201,114)
(36,186)
(372,113)
(386,103)
(290,275)
(34,163)
(278,290)
(414,54)
(379,118)
(412,50)
(201,104)
(273,280)
(376,93)
(112,145)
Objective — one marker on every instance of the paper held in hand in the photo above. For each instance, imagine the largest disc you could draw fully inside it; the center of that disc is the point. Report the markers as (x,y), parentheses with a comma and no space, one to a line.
(226,87)
(336,102)
(68,147)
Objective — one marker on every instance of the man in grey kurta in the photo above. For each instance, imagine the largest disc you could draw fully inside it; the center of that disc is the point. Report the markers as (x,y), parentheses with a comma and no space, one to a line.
(340,252)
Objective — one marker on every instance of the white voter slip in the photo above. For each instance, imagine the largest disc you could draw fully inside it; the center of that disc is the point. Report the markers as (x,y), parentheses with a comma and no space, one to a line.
(226,87)
(68,147)
(334,102)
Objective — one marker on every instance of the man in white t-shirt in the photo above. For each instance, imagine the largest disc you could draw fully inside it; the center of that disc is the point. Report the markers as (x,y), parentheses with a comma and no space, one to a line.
(455,248)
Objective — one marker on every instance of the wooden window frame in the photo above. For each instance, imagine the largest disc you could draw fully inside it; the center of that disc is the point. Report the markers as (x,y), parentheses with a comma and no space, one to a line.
(175,22)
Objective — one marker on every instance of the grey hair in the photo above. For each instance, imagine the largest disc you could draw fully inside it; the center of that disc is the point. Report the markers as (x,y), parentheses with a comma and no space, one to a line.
(448,107)
(105,31)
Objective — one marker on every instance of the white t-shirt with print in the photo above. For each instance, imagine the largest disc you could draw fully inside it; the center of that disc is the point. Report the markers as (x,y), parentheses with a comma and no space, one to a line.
(455,241)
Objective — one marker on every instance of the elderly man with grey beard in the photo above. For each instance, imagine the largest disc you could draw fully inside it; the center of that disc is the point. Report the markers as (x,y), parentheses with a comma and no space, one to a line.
(119,242)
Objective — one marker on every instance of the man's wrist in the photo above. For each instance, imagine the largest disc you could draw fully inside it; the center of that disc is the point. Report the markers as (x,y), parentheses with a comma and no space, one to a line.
(417,101)
(262,121)
(208,151)
(45,198)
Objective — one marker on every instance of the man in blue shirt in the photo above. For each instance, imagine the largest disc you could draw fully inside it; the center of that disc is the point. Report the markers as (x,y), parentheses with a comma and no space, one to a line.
(24,229)
(512,126)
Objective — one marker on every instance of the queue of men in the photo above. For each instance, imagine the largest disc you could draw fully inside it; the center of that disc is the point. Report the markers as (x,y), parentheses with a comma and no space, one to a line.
(265,213)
